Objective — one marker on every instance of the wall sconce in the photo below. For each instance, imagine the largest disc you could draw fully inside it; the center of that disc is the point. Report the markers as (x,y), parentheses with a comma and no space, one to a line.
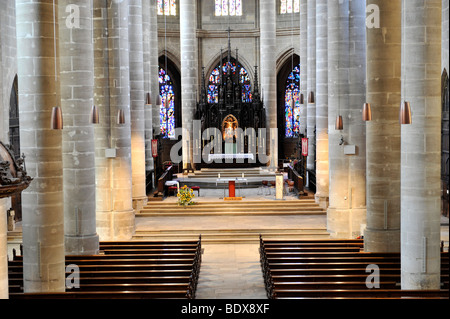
(302,99)
(405,113)
(367,112)
(148,100)
(94,115)
(120,117)
(57,119)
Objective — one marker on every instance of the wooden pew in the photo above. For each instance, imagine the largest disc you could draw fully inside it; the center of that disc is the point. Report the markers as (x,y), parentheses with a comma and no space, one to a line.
(148,269)
(326,269)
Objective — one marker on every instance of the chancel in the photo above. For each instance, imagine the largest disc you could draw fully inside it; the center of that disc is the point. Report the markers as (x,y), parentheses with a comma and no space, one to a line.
(185,149)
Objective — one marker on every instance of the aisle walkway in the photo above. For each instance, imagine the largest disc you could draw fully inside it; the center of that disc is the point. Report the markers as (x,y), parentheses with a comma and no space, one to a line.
(230,271)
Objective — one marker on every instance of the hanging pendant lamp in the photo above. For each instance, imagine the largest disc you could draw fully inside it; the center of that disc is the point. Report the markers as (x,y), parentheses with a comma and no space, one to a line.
(405,113)
(339,123)
(120,117)
(94,115)
(57,119)
(311,99)
(367,112)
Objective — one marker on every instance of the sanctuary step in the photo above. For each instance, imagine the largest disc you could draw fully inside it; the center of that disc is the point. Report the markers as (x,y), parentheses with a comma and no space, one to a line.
(244,207)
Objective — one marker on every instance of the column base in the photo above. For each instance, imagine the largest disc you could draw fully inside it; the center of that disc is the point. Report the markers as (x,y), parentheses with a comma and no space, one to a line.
(345,223)
(380,240)
(116,225)
(139,203)
(82,245)
(323,201)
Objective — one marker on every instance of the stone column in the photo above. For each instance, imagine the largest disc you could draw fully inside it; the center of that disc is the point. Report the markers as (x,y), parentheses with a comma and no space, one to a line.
(115,215)
(346,65)
(421,145)
(4,292)
(137,102)
(149,9)
(43,200)
(382,233)
(77,90)
(154,69)
(303,64)
(322,166)
(268,50)
(311,86)
(189,71)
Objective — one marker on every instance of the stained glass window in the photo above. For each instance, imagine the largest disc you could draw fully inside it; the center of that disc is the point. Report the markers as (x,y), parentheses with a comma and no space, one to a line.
(289,6)
(292,112)
(167,109)
(228,7)
(214,81)
(167,7)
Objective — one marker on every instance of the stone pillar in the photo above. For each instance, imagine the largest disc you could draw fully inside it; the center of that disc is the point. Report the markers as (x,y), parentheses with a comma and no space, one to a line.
(154,71)
(43,200)
(189,71)
(115,215)
(346,65)
(3,251)
(77,90)
(149,46)
(311,86)
(268,50)
(137,103)
(382,233)
(322,166)
(303,64)
(421,145)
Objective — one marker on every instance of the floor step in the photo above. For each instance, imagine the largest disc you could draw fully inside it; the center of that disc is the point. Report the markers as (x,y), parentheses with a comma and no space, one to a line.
(232,235)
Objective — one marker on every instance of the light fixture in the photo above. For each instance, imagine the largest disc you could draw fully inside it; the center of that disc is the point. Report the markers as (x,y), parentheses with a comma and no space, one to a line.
(339,123)
(311,99)
(367,112)
(405,113)
(148,100)
(94,115)
(120,117)
(57,120)
(302,99)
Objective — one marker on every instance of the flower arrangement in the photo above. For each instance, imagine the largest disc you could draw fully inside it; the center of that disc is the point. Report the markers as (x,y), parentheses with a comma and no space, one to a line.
(185,196)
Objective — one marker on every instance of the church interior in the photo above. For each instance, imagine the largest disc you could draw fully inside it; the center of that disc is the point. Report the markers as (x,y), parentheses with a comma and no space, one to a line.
(224,149)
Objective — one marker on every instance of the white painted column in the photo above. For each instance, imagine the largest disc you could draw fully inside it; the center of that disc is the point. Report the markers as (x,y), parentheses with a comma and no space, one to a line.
(421,145)
(43,200)
(189,72)
(322,165)
(77,90)
(382,233)
(137,103)
(268,75)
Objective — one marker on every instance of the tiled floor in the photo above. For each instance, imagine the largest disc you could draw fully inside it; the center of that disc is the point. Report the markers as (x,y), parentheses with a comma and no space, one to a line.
(230,271)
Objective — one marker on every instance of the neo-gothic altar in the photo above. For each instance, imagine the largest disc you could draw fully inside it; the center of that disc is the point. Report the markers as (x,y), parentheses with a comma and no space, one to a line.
(233,108)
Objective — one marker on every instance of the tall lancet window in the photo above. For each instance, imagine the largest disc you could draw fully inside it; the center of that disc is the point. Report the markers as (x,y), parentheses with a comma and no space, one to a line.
(244,81)
(167,108)
(289,6)
(167,7)
(292,111)
(228,8)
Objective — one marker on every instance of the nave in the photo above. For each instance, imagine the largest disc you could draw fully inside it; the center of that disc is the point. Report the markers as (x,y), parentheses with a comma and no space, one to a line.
(231,264)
